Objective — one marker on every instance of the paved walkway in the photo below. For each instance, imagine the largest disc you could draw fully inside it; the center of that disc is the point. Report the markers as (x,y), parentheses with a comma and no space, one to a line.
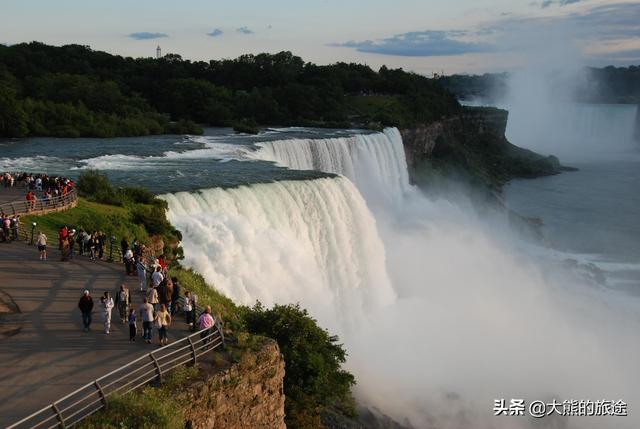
(9,195)
(51,355)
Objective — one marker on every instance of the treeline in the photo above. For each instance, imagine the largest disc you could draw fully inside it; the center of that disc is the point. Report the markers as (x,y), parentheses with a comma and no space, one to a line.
(74,91)
(599,85)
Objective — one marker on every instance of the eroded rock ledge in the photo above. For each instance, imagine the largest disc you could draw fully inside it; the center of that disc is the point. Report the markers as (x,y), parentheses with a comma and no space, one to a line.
(249,394)
(472,146)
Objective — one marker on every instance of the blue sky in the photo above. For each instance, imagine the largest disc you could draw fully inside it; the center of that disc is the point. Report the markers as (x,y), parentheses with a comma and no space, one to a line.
(421,35)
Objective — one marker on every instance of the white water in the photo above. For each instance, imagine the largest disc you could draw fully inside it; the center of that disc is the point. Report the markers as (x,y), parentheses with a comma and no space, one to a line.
(374,162)
(473,319)
(211,149)
(313,242)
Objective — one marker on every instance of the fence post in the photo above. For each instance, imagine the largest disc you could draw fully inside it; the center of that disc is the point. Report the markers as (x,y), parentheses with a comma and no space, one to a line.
(158,369)
(101,393)
(55,409)
(193,349)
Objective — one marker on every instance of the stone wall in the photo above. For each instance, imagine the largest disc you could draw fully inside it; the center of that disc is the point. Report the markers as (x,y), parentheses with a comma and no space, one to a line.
(247,395)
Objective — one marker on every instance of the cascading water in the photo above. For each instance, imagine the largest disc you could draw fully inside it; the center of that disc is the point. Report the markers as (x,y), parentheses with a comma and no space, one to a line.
(310,241)
(374,162)
(441,313)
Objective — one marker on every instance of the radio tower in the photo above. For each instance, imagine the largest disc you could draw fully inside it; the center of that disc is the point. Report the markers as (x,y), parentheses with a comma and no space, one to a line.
(158,52)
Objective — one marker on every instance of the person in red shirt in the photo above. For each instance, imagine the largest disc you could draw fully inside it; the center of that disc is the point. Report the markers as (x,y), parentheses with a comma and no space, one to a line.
(31,200)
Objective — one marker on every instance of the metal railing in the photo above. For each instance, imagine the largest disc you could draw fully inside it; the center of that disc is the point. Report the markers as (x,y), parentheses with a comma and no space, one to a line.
(39,206)
(153,366)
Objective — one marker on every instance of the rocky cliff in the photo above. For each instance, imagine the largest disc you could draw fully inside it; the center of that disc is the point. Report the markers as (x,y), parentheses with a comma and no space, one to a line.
(249,394)
(471,146)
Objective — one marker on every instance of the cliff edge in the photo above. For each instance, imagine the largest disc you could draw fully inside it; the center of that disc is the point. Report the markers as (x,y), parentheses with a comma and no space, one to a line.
(472,147)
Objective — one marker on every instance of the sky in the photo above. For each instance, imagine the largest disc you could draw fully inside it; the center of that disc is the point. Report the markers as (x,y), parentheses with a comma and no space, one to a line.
(425,36)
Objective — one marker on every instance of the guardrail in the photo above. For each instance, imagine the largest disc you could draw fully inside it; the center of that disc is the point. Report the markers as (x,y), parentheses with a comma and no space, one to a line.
(40,206)
(89,399)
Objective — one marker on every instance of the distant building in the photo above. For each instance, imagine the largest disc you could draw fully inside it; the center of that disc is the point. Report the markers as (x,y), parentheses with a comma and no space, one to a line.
(158,52)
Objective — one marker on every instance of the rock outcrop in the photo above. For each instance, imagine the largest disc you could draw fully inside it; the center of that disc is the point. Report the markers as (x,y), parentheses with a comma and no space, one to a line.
(247,395)
(471,146)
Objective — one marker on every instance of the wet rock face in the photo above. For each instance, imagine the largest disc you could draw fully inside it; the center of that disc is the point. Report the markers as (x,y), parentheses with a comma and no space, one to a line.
(247,395)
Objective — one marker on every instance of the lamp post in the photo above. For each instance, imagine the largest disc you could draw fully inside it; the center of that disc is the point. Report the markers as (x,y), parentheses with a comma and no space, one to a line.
(33,228)
(111,240)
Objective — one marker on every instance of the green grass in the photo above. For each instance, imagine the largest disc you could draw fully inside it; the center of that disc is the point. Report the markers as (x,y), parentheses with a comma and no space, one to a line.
(149,408)
(113,220)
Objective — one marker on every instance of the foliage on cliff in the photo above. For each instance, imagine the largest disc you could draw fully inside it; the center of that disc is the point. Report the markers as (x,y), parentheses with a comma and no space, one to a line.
(314,379)
(74,91)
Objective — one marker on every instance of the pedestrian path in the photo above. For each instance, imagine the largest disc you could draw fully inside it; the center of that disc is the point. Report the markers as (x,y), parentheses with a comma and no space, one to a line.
(51,356)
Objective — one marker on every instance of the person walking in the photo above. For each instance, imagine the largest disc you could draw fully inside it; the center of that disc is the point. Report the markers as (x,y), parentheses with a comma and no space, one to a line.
(157,277)
(107,306)
(187,307)
(175,296)
(163,320)
(128,262)
(123,299)
(205,323)
(152,297)
(142,274)
(64,249)
(132,325)
(124,247)
(92,244)
(71,239)
(146,315)
(42,245)
(86,307)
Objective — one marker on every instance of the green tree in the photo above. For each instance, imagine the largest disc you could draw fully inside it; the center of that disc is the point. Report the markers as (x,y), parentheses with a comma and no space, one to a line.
(314,378)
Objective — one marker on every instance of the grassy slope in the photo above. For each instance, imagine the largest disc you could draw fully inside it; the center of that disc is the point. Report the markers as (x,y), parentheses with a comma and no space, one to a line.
(90,216)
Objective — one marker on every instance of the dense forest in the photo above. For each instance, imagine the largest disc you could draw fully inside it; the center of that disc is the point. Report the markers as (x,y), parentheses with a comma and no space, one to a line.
(597,85)
(74,91)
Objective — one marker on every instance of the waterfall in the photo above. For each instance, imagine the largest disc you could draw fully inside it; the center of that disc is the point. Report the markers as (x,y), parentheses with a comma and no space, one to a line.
(440,311)
(309,241)
(375,162)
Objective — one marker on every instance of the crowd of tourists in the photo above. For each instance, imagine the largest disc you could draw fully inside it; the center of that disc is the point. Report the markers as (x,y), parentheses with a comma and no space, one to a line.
(36,187)
(162,296)
(53,186)
(162,299)
(72,242)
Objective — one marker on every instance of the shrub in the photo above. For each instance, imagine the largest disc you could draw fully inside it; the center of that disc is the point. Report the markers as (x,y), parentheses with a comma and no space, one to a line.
(246,126)
(314,378)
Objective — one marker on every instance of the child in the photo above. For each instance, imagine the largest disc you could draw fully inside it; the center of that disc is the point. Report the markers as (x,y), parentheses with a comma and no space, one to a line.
(132,325)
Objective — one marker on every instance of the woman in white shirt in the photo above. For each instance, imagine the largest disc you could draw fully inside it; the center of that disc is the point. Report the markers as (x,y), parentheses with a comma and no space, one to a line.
(107,306)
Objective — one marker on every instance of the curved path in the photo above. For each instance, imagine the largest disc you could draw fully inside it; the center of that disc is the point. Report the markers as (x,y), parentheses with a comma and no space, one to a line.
(51,356)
